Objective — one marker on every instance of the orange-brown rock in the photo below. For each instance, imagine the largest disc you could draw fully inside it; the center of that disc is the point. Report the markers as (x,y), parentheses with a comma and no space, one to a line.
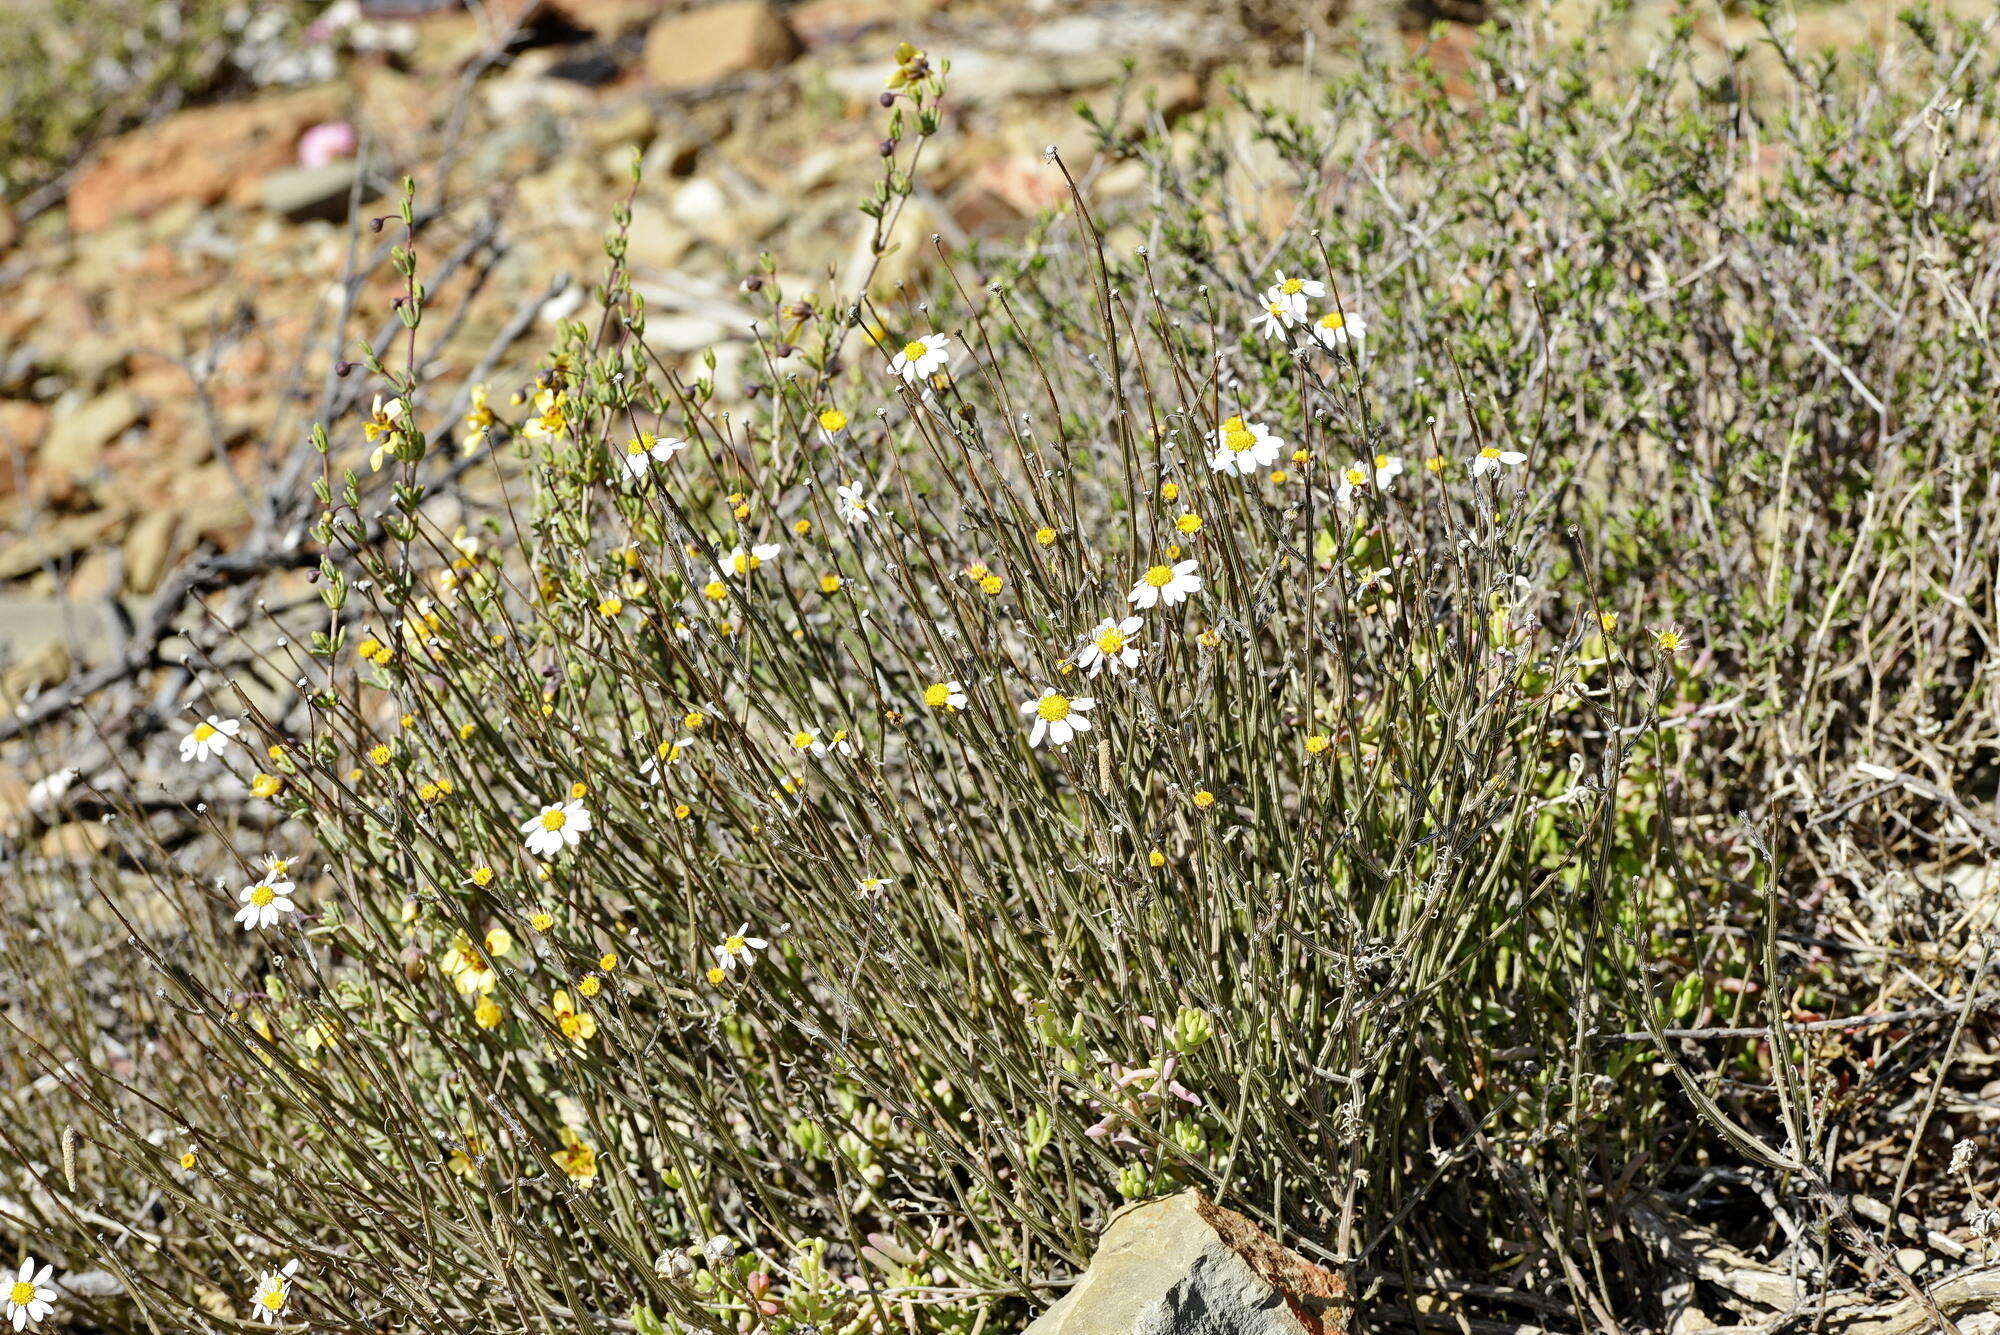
(206,155)
(716,42)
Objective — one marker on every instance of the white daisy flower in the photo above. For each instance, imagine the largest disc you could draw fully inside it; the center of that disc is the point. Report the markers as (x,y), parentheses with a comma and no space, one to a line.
(919,360)
(739,947)
(208,739)
(1163,586)
(872,887)
(1273,320)
(1334,330)
(1353,478)
(1058,717)
(945,695)
(274,1290)
(745,560)
(851,502)
(1110,646)
(29,1297)
(557,826)
(1491,460)
(654,767)
(645,449)
(819,743)
(1244,447)
(264,902)
(1388,467)
(1292,294)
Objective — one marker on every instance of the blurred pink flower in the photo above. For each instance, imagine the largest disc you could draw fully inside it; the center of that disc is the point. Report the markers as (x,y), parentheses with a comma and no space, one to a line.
(326,143)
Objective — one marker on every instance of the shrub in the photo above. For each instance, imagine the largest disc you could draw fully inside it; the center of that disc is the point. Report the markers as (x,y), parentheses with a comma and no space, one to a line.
(699,901)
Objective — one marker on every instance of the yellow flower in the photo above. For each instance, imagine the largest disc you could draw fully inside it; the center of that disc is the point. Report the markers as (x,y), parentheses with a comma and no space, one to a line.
(381,755)
(1608,621)
(608,961)
(541,920)
(499,942)
(187,1158)
(1189,524)
(1155,858)
(992,584)
(407,721)
(460,1160)
(1317,743)
(482,875)
(1170,491)
(693,719)
(577,1026)
(1279,475)
(610,607)
(579,789)
(577,1160)
(1435,464)
(829,584)
(802,526)
(589,985)
(715,590)
(715,976)
(1204,799)
(681,811)
(1668,640)
(1045,536)
(832,420)
(266,785)
(486,1013)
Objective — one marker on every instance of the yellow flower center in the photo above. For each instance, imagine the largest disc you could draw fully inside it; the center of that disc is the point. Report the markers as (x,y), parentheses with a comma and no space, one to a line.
(1274,308)
(1110,641)
(262,895)
(1291,287)
(1381,461)
(1160,576)
(1490,452)
(800,741)
(1052,708)
(638,444)
(202,732)
(936,695)
(1238,440)
(274,1297)
(554,820)
(1358,477)
(912,351)
(735,945)
(21,1294)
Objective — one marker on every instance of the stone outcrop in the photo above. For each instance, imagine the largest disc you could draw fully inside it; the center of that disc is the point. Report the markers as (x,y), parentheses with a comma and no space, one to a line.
(1186,1266)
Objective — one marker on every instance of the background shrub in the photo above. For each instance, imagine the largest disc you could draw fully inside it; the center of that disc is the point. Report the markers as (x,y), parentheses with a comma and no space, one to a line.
(1366,903)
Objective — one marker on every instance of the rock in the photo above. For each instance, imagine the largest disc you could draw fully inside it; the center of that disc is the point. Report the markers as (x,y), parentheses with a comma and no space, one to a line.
(207,154)
(1186,1266)
(148,546)
(609,19)
(716,42)
(654,242)
(298,193)
(77,439)
(633,127)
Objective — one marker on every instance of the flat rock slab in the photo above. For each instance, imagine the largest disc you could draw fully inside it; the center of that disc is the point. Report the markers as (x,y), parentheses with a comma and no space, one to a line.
(1186,1266)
